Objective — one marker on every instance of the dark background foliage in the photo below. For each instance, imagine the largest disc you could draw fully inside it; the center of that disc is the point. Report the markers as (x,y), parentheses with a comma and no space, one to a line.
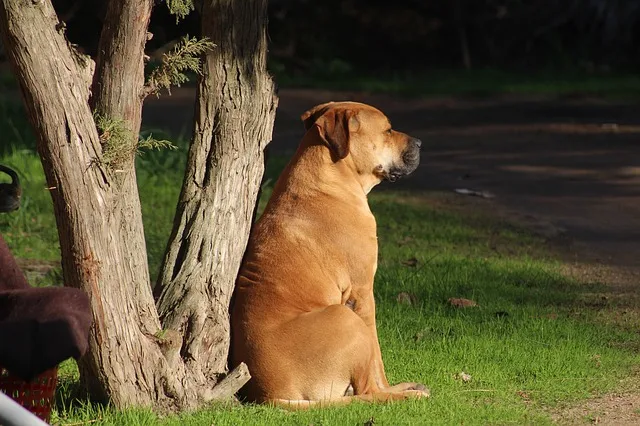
(342,36)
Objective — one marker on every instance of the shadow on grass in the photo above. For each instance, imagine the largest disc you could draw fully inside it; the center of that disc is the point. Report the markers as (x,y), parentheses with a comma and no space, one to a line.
(69,392)
(440,254)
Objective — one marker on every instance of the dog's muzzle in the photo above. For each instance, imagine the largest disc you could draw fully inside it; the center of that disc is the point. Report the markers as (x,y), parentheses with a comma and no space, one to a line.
(410,161)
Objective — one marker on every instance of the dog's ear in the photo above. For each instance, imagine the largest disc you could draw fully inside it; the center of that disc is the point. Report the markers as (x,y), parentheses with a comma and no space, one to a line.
(310,117)
(333,125)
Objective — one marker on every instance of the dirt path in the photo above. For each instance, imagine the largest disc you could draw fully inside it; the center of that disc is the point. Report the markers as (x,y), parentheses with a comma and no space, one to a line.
(569,169)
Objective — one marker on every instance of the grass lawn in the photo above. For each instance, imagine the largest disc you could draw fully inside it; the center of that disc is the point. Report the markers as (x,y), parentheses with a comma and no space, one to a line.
(534,342)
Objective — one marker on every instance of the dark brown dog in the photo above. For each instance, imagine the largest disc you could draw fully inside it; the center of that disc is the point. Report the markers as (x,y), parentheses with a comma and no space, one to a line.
(303,318)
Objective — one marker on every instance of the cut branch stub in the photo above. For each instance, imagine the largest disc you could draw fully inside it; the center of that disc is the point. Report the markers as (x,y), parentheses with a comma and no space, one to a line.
(231,384)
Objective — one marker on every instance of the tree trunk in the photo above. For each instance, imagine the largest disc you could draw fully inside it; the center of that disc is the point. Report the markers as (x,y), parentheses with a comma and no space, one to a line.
(234,122)
(131,360)
(97,209)
(116,94)
(458,18)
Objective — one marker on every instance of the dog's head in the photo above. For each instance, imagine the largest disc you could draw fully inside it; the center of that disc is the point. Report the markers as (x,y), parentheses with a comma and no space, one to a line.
(361,136)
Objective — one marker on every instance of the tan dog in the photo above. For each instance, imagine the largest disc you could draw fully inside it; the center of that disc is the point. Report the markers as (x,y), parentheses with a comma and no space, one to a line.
(303,316)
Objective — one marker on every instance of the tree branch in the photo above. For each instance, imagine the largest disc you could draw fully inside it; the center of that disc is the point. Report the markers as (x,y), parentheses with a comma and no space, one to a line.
(231,384)
(119,78)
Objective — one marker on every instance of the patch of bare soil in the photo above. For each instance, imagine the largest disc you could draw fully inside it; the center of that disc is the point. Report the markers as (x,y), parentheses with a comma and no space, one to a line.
(613,409)
(569,169)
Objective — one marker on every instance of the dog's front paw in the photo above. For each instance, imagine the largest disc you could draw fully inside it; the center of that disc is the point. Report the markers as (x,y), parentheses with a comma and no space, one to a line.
(417,394)
(419,387)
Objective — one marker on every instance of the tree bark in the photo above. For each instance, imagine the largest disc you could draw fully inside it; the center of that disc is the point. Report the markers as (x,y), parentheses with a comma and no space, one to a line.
(235,111)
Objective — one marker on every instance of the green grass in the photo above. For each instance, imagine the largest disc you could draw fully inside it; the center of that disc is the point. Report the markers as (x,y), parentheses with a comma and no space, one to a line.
(31,230)
(532,343)
(477,82)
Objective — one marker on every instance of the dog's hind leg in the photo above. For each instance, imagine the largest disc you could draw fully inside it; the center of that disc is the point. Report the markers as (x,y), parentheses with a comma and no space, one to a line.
(334,350)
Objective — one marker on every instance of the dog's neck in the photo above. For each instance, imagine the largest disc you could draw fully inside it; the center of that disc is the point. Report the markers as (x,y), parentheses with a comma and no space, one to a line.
(313,168)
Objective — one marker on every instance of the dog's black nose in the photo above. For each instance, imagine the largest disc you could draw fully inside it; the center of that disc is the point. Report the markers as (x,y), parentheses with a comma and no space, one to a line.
(417,142)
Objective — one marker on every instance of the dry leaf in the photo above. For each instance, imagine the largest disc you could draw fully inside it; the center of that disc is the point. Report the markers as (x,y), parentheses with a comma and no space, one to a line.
(523,395)
(405,298)
(405,240)
(462,303)
(412,263)
(463,376)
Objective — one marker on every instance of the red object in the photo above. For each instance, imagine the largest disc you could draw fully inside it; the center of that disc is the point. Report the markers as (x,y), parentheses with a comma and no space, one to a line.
(36,396)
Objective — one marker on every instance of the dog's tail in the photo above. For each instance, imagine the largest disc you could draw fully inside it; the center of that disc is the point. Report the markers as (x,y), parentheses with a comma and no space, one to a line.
(305,404)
